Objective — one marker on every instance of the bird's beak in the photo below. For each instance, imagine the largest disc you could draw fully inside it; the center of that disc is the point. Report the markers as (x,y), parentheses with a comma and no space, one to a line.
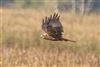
(41,36)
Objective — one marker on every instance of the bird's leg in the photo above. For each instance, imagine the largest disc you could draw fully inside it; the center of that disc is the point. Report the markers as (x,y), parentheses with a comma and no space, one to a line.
(51,38)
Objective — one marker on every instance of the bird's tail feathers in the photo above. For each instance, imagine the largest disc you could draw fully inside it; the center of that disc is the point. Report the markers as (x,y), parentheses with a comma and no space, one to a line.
(64,39)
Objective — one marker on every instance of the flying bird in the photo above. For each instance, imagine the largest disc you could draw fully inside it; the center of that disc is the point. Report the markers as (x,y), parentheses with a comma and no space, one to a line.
(53,29)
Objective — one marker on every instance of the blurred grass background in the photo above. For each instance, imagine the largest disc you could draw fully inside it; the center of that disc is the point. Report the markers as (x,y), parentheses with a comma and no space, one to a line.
(21,45)
(20,30)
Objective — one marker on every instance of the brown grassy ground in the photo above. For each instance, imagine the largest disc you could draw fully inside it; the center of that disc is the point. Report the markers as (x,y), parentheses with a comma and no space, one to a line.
(21,45)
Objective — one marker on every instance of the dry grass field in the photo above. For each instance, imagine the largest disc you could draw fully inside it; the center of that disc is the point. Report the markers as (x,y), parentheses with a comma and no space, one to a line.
(21,45)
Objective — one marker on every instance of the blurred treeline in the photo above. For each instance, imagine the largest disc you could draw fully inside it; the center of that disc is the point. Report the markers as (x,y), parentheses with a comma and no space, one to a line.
(82,6)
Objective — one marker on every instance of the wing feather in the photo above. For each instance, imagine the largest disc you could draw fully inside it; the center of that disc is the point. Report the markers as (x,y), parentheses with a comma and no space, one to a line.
(52,25)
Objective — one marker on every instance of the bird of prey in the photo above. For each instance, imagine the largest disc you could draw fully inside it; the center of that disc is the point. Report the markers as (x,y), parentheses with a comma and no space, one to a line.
(53,29)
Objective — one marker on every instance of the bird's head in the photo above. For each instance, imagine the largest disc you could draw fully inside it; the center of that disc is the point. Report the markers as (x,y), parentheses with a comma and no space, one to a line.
(44,36)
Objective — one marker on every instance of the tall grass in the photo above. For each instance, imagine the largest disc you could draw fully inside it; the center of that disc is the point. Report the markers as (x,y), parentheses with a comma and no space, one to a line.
(21,44)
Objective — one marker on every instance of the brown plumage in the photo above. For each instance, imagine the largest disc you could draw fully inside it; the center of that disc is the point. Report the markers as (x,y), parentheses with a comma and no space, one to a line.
(53,28)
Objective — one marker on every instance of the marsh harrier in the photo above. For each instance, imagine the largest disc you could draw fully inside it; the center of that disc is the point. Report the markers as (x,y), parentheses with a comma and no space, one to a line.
(53,29)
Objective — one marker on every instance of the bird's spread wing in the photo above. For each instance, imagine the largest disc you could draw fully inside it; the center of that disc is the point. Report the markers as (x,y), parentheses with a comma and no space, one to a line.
(52,25)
